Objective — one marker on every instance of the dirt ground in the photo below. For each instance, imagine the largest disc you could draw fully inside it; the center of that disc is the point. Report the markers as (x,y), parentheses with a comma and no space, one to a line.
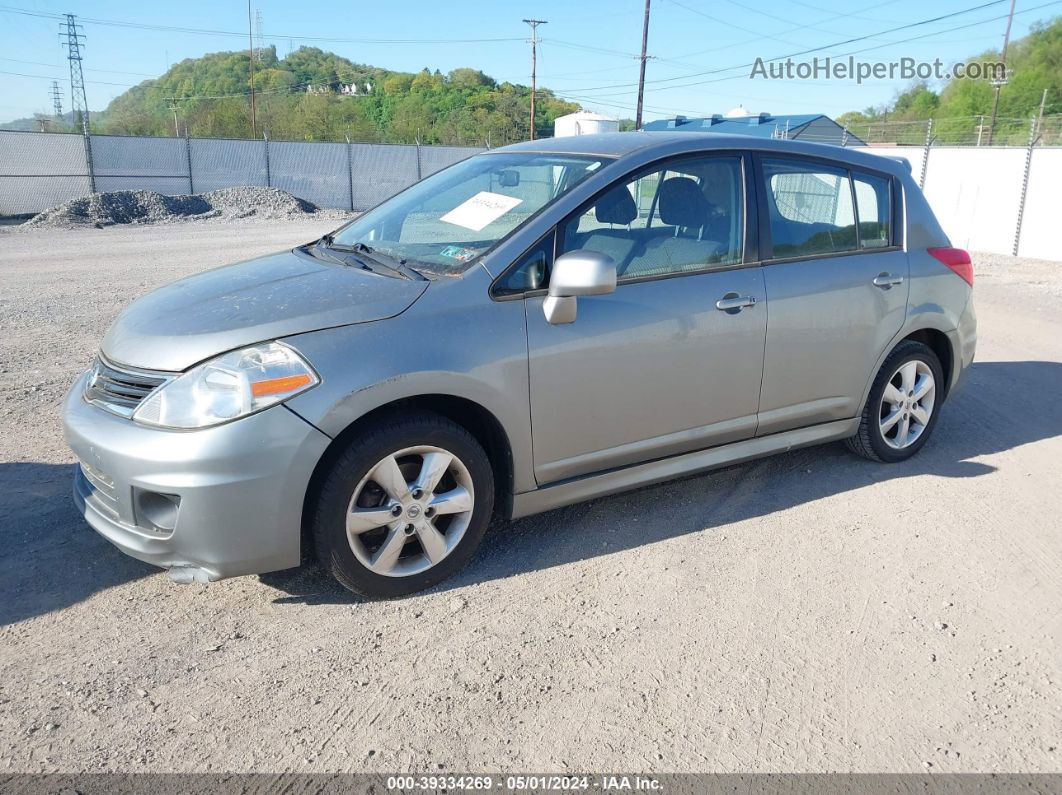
(808,612)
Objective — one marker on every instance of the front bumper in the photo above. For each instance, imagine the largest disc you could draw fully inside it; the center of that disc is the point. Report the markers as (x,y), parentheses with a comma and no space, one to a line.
(211,503)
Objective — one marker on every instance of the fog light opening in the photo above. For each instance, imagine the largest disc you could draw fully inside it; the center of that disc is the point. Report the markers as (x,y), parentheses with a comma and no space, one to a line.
(157,512)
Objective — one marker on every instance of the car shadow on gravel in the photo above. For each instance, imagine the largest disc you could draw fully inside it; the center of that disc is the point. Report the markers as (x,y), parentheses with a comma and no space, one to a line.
(51,558)
(1003,405)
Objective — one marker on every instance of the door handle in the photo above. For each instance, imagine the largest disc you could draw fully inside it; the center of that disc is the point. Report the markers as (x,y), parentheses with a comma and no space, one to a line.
(887,280)
(732,303)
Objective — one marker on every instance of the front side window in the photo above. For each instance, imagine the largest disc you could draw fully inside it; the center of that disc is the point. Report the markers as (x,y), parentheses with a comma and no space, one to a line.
(685,216)
(444,222)
(810,208)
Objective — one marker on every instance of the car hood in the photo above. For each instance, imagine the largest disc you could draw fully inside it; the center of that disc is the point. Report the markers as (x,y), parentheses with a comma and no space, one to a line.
(274,296)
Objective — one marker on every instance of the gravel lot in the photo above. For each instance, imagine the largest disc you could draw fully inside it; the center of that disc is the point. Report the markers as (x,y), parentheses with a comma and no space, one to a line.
(809,612)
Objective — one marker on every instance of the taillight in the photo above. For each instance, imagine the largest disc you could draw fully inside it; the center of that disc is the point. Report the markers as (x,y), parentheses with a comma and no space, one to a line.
(956,259)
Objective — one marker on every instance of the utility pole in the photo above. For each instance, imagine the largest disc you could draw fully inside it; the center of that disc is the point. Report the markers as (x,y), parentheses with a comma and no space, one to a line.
(1001,81)
(534,23)
(250,69)
(173,107)
(641,68)
(57,101)
(70,34)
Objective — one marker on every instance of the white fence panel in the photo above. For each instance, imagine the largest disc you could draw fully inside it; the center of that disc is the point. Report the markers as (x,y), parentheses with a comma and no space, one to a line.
(912,154)
(975,195)
(1043,208)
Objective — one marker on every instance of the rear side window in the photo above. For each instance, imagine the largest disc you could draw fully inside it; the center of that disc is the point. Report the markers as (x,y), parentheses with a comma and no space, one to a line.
(874,205)
(810,208)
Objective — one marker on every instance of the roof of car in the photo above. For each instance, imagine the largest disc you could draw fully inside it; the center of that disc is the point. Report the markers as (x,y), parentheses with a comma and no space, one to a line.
(663,143)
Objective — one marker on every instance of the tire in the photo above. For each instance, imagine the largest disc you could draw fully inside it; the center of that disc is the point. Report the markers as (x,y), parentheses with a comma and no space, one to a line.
(366,561)
(876,444)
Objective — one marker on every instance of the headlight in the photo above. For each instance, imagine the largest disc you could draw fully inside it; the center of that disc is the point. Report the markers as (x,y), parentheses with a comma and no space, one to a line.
(232,385)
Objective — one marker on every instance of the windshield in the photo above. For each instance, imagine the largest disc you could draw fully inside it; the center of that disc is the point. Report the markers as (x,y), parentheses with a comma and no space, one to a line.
(441,224)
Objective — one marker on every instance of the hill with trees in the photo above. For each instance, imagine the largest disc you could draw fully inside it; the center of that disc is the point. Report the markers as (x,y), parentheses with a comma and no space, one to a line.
(1034,63)
(313,95)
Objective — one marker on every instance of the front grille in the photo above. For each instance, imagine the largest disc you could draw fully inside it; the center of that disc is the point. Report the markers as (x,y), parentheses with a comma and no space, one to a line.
(120,389)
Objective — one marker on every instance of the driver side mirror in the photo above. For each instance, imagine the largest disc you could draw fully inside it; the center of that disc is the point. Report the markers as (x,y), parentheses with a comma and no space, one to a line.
(579,272)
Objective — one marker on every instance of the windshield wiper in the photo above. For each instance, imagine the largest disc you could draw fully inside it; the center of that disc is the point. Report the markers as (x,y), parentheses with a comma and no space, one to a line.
(345,255)
(394,266)
(396,263)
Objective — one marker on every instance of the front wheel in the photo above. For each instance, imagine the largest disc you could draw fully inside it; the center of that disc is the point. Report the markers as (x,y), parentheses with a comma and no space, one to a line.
(404,507)
(903,405)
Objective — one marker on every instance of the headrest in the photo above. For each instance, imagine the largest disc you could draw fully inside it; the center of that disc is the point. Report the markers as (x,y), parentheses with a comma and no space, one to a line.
(682,203)
(616,207)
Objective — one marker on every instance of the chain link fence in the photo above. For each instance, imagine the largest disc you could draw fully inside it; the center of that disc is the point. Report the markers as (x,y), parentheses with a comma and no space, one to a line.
(962,131)
(40,170)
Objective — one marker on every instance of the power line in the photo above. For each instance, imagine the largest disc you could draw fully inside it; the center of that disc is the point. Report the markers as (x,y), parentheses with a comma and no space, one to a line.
(886,44)
(841,15)
(50,77)
(279,36)
(87,69)
(805,51)
(845,54)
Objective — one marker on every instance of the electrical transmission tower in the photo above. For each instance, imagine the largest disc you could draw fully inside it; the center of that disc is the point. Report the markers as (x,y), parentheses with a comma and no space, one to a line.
(71,35)
(259,36)
(57,100)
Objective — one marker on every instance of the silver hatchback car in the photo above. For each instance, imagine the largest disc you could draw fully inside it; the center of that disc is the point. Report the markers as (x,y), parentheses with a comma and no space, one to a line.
(537,325)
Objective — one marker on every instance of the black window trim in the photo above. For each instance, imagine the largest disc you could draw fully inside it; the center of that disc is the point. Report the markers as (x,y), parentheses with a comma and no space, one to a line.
(750,243)
(516,263)
(767,244)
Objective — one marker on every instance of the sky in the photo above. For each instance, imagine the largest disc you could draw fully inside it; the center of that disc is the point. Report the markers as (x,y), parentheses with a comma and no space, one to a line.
(701,50)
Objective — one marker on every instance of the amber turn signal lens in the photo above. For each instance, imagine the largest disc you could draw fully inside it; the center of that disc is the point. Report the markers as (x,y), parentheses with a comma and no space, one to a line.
(280,386)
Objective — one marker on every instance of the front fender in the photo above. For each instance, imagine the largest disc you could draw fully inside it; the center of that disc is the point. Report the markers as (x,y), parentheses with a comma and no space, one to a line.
(455,342)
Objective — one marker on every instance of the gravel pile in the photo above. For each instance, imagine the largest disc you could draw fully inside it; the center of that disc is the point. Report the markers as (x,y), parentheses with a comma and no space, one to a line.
(147,207)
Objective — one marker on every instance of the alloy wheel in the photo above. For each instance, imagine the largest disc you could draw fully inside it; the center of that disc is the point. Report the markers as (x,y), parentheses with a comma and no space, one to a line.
(410,511)
(907,404)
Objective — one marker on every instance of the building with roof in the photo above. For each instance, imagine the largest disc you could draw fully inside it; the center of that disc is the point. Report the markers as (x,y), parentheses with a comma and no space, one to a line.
(810,127)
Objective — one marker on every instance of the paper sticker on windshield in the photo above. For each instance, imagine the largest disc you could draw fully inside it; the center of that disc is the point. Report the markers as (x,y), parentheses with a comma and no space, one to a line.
(480,210)
(459,253)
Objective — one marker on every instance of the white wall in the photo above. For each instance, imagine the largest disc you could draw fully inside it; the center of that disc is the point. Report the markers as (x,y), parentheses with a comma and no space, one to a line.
(1043,207)
(975,195)
(976,192)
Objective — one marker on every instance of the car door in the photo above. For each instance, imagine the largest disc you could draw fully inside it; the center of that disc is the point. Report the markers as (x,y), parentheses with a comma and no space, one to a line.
(671,361)
(836,278)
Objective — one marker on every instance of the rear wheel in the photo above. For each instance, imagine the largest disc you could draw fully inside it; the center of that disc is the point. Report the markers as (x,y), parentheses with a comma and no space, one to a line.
(404,507)
(902,408)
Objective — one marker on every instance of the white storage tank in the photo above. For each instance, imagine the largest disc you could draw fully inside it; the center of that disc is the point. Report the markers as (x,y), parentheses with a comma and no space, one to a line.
(583,122)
